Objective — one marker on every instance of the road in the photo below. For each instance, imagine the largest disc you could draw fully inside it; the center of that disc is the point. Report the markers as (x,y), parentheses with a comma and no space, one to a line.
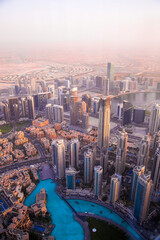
(36,144)
(23,164)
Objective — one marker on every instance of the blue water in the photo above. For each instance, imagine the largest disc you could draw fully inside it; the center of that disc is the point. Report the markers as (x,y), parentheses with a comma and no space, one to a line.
(38,228)
(66,228)
(87,206)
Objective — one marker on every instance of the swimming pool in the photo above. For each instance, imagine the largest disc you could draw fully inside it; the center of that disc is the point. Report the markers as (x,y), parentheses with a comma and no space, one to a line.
(39,228)
(66,228)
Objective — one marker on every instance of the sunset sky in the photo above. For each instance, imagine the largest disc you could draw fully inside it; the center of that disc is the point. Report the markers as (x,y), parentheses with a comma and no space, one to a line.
(80,23)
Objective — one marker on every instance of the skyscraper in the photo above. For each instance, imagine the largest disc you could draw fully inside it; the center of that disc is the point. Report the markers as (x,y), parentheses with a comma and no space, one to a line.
(104,122)
(31,112)
(115,186)
(6,112)
(24,107)
(99,82)
(106,86)
(70,178)
(110,75)
(104,159)
(127,113)
(110,71)
(49,112)
(58,114)
(155,174)
(73,100)
(121,152)
(13,101)
(142,197)
(88,167)
(58,156)
(98,173)
(16,111)
(154,121)
(137,171)
(144,151)
(74,153)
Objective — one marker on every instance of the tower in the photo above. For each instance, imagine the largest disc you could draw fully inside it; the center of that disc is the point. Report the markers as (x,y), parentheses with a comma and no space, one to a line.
(155,174)
(58,114)
(110,75)
(49,112)
(88,166)
(16,112)
(106,86)
(104,159)
(144,152)
(104,122)
(154,121)
(137,171)
(58,157)
(24,107)
(127,113)
(121,152)
(70,178)
(115,186)
(6,112)
(31,112)
(74,153)
(98,173)
(142,197)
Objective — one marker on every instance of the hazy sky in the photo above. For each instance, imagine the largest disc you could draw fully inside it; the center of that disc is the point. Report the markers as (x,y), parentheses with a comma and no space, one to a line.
(84,23)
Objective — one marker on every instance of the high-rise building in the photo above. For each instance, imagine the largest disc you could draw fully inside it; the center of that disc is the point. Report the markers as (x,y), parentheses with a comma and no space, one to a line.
(58,156)
(155,174)
(127,113)
(99,82)
(51,89)
(74,153)
(110,76)
(137,171)
(73,100)
(49,112)
(85,121)
(61,90)
(31,112)
(110,71)
(88,167)
(6,112)
(138,115)
(144,151)
(16,111)
(95,105)
(24,107)
(119,110)
(106,86)
(121,152)
(98,173)
(104,159)
(115,187)
(142,197)
(73,92)
(40,100)
(58,114)
(104,122)
(13,101)
(70,178)
(154,122)
(80,109)
(43,85)
(87,99)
